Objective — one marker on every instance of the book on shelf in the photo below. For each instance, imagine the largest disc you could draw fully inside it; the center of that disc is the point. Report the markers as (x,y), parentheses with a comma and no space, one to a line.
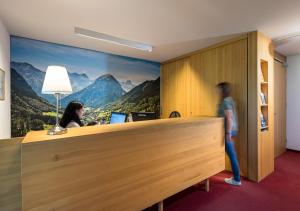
(263,98)
(262,120)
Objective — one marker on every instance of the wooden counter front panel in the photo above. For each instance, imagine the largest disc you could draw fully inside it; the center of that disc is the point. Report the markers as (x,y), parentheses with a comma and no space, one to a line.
(10,174)
(121,170)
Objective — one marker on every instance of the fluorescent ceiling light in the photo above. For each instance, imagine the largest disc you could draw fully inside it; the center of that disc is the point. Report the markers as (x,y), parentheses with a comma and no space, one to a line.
(112,39)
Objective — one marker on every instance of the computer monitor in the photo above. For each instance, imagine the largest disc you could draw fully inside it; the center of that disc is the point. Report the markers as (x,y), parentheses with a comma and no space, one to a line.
(117,117)
(142,116)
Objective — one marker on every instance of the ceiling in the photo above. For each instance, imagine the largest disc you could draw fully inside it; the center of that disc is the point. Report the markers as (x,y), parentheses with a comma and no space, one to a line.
(173,27)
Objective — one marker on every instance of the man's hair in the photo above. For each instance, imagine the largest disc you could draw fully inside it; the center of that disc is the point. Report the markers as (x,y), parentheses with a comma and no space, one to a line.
(225,88)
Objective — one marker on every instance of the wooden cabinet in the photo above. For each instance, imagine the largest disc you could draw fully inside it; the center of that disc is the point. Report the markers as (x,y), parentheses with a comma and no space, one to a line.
(188,85)
(260,138)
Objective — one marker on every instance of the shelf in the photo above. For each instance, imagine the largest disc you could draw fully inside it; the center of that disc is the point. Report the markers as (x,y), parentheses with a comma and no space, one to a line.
(264,128)
(264,109)
(264,83)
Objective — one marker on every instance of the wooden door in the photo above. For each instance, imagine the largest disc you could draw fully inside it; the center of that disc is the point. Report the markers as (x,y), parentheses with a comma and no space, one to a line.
(279,108)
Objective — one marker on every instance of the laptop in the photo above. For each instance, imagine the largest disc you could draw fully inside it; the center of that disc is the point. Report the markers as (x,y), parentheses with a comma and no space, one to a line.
(117,117)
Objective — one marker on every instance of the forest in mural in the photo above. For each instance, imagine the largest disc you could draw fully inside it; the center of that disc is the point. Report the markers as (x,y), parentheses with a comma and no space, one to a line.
(102,82)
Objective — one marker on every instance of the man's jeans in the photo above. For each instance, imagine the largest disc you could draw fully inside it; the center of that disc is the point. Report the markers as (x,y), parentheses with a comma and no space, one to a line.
(230,150)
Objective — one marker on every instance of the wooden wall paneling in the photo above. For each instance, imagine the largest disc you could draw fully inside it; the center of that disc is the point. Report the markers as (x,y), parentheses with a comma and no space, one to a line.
(174,89)
(260,142)
(253,118)
(125,167)
(238,62)
(266,53)
(235,71)
(279,108)
(10,174)
(207,68)
(204,77)
(229,41)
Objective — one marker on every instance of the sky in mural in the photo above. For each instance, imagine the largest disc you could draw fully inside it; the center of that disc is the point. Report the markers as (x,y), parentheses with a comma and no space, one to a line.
(93,63)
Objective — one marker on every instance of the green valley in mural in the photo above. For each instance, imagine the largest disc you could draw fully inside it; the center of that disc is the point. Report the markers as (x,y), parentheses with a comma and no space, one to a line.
(102,82)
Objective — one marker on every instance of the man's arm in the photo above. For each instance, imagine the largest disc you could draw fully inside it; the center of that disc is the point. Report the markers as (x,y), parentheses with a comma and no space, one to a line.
(229,123)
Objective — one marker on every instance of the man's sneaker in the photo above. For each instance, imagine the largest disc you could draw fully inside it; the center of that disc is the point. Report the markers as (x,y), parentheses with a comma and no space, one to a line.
(231,181)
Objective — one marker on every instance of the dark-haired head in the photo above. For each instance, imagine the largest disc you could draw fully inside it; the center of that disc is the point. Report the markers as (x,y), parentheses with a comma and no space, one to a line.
(174,114)
(73,112)
(225,89)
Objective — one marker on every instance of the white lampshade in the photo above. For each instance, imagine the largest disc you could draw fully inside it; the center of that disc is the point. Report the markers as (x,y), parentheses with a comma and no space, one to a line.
(56,81)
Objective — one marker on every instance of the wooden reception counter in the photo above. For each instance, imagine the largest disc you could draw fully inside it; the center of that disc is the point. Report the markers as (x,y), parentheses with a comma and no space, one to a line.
(119,167)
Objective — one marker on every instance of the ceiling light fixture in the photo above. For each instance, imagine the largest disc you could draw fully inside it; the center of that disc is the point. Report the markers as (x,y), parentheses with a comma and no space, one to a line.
(112,39)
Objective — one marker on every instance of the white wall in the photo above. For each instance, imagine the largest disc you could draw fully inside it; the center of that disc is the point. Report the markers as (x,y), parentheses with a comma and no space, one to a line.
(5,123)
(293,102)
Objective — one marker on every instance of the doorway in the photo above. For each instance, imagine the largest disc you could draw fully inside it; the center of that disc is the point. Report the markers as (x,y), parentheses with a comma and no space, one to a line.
(279,107)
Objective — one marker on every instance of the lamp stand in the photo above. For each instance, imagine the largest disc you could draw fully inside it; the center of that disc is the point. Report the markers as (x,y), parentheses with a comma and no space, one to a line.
(57,129)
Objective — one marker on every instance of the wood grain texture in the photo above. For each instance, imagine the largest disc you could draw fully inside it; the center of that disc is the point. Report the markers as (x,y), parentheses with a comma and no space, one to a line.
(260,143)
(253,107)
(176,96)
(195,86)
(120,167)
(279,108)
(224,63)
(229,41)
(237,61)
(10,174)
(266,138)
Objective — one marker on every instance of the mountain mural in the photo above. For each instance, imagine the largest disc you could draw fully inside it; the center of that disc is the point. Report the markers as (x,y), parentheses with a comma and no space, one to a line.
(144,97)
(102,82)
(127,85)
(79,81)
(139,93)
(103,90)
(27,107)
(35,78)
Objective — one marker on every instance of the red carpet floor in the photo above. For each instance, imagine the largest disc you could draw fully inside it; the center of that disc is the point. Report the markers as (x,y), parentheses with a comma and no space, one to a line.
(278,192)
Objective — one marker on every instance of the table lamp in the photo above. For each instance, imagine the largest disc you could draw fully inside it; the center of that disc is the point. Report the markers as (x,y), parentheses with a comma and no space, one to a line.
(56,82)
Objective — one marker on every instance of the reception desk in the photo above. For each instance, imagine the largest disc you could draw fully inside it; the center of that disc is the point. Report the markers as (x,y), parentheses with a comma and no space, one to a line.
(127,166)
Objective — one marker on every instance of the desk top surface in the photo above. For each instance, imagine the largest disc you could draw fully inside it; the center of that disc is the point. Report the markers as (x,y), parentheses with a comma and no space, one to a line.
(40,136)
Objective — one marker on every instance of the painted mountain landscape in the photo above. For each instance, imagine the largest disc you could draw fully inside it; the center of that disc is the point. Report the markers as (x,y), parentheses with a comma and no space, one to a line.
(102,82)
